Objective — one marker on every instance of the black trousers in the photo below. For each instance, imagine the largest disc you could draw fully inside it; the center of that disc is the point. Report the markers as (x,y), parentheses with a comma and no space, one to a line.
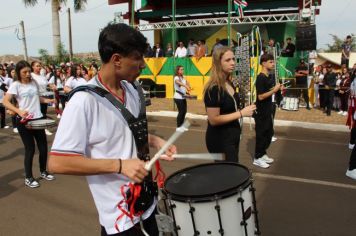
(28,138)
(329,100)
(225,141)
(344,101)
(2,115)
(352,163)
(322,96)
(345,61)
(149,224)
(44,107)
(182,110)
(353,136)
(264,133)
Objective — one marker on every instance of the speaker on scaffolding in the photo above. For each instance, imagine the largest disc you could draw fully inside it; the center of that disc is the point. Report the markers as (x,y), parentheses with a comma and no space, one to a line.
(306,37)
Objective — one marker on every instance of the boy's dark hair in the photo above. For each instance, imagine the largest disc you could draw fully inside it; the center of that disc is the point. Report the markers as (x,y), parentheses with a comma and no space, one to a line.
(120,38)
(348,37)
(266,57)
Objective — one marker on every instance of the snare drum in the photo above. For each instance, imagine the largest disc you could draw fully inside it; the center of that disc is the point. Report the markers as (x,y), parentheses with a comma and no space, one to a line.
(40,124)
(188,96)
(212,199)
(48,95)
(290,104)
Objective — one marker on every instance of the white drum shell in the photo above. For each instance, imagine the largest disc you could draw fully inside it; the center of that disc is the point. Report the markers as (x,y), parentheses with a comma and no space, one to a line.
(290,104)
(40,124)
(206,216)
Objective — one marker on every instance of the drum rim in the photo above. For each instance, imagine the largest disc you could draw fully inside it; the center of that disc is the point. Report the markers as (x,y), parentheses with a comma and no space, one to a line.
(212,196)
(29,124)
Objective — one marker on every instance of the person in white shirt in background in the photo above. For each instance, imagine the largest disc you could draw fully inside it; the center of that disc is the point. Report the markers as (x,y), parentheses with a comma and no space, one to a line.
(3,90)
(93,138)
(26,92)
(39,75)
(192,48)
(57,84)
(11,75)
(75,79)
(181,88)
(181,51)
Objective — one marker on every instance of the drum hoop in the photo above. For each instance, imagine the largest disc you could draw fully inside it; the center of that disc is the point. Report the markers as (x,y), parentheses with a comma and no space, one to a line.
(213,196)
(30,124)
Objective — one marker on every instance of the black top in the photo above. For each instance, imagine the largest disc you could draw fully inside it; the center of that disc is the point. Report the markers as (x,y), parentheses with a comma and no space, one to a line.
(264,84)
(330,79)
(289,50)
(225,103)
(301,79)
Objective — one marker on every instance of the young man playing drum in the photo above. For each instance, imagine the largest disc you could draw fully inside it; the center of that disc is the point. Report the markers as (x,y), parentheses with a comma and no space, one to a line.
(263,116)
(94,138)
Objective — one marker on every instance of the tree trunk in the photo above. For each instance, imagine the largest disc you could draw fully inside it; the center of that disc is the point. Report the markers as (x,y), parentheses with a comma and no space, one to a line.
(56,30)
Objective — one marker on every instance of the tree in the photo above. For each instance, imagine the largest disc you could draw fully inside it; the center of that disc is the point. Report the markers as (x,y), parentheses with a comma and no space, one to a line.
(336,46)
(56,6)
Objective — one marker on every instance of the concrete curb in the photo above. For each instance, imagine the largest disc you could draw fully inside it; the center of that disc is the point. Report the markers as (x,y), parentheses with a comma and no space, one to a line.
(283,123)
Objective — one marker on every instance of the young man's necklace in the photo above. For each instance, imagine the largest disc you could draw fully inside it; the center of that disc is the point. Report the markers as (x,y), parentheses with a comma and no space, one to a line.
(121,99)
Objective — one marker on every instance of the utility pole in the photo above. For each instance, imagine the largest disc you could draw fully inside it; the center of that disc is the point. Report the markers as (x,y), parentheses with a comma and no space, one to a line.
(24,40)
(70,36)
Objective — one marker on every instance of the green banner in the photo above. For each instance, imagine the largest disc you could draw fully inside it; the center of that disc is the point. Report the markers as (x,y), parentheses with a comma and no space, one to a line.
(189,67)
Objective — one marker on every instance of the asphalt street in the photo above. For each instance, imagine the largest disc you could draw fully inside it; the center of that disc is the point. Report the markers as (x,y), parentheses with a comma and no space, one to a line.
(304,193)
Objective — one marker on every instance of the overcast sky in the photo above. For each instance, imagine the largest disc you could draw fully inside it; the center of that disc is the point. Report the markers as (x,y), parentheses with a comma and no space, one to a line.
(337,17)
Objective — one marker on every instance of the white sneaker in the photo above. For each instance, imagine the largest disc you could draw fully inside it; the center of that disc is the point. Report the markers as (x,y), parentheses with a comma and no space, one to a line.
(351,146)
(182,129)
(267,159)
(59,116)
(260,162)
(45,175)
(15,130)
(344,113)
(274,139)
(340,112)
(6,127)
(31,182)
(49,133)
(351,174)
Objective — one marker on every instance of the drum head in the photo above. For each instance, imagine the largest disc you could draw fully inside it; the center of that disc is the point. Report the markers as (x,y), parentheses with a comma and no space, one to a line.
(207,181)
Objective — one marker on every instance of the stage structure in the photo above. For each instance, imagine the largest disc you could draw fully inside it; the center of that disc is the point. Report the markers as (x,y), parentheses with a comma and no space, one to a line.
(180,20)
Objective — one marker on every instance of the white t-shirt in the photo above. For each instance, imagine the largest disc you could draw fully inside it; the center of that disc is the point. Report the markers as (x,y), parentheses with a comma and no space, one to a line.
(181,89)
(41,81)
(181,52)
(75,82)
(8,81)
(93,127)
(58,83)
(27,97)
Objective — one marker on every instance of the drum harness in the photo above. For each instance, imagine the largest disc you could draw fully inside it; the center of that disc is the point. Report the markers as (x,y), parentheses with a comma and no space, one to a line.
(138,197)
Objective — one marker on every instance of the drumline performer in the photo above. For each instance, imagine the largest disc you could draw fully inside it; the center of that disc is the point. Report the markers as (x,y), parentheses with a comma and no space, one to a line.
(42,84)
(75,79)
(221,104)
(95,139)
(57,86)
(26,92)
(264,115)
(181,88)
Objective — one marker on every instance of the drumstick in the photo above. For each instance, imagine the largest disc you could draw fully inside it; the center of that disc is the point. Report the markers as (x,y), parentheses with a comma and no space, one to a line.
(200,156)
(170,141)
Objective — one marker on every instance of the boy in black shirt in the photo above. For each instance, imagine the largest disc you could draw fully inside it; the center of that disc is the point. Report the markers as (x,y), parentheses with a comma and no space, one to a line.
(263,116)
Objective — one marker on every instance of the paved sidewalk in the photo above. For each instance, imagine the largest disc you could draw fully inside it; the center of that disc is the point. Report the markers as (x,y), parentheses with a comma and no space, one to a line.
(302,115)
